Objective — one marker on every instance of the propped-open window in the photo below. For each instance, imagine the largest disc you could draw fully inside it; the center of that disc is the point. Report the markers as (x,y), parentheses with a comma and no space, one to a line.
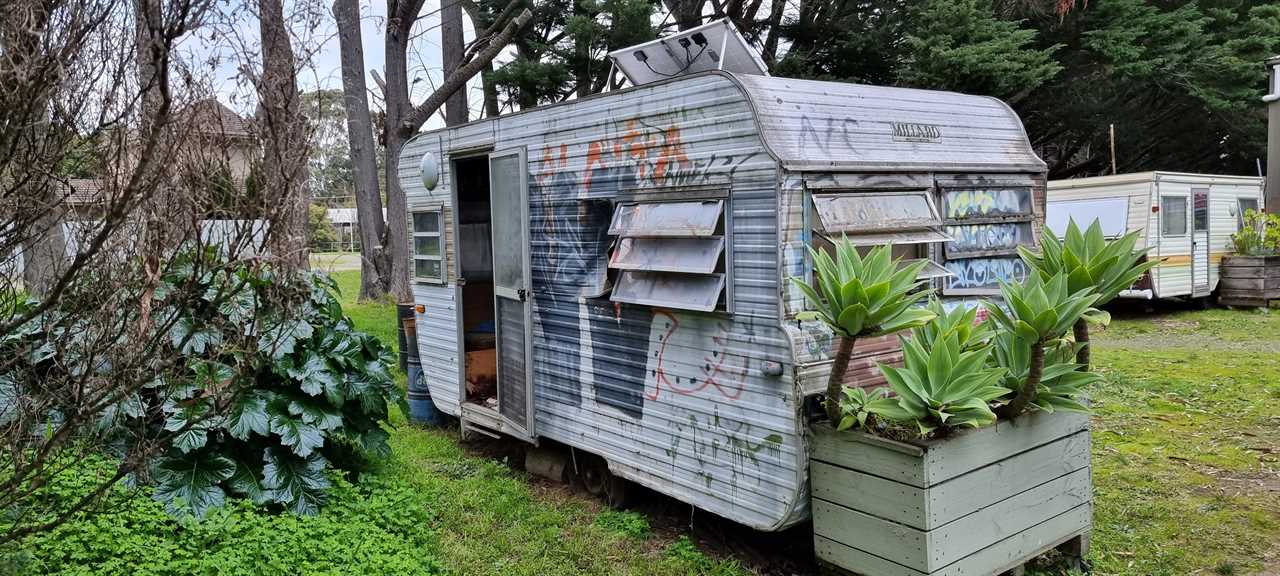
(909,220)
(669,254)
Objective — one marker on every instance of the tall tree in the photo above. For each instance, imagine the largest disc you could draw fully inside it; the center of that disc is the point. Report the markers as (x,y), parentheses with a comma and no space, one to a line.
(451,53)
(283,130)
(375,262)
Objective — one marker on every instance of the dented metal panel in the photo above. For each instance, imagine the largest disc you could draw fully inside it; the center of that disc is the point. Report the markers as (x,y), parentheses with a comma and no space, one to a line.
(667,219)
(690,255)
(681,291)
(833,127)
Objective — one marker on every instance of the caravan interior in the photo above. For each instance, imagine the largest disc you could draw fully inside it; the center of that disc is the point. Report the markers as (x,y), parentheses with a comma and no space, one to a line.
(475,258)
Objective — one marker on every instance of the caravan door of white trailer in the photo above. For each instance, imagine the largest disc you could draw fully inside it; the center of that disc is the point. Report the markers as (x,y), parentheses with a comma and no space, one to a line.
(1200,242)
(513,308)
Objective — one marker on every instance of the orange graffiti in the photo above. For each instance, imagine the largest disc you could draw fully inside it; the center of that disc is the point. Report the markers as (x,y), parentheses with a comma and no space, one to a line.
(712,371)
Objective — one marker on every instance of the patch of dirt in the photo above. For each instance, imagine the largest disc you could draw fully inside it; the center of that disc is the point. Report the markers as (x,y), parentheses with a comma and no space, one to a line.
(1169,324)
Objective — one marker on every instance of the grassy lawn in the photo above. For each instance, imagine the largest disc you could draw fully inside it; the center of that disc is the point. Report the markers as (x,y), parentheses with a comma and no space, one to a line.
(1186,449)
(1186,472)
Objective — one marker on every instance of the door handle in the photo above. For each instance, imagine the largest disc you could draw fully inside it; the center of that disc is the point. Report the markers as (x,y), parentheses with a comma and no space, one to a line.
(523,294)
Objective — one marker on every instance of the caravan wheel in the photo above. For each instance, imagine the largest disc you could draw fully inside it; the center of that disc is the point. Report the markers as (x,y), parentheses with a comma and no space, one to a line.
(595,477)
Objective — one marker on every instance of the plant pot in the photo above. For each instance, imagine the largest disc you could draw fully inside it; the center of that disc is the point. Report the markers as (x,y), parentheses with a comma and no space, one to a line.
(1249,280)
(979,502)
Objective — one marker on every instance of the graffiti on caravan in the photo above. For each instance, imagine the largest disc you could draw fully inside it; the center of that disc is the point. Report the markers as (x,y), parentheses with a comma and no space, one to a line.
(985,237)
(985,272)
(980,202)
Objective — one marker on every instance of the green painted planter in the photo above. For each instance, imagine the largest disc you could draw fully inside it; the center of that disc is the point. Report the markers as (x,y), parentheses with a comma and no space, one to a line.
(978,503)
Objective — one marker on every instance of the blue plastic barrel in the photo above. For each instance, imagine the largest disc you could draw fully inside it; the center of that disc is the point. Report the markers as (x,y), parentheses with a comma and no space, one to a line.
(422,409)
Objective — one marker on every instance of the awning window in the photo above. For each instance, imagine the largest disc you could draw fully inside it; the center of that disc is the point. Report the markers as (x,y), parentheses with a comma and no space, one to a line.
(988,223)
(667,219)
(931,269)
(685,291)
(862,213)
(694,255)
(669,254)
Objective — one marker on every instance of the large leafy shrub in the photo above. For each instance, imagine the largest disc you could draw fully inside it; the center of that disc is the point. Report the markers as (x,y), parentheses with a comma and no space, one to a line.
(274,384)
(1260,235)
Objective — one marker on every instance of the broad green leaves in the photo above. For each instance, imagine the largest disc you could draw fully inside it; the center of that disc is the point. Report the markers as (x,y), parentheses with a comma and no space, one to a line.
(191,483)
(296,481)
(863,296)
(1041,310)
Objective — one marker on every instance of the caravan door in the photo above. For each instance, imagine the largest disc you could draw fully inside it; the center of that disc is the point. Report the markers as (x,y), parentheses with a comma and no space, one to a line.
(1200,242)
(509,189)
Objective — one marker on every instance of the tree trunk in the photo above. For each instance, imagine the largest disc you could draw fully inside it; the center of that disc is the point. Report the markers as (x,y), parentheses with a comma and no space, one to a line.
(396,98)
(835,381)
(770,54)
(45,251)
(375,266)
(451,52)
(285,145)
(1027,395)
(1081,330)
(491,109)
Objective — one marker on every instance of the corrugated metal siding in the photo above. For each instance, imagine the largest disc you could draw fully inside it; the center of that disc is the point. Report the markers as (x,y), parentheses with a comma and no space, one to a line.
(829,126)
(677,401)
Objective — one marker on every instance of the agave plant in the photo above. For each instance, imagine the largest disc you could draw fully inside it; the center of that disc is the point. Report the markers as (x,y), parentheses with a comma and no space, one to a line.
(857,406)
(1062,382)
(962,320)
(860,296)
(1089,261)
(941,384)
(1040,313)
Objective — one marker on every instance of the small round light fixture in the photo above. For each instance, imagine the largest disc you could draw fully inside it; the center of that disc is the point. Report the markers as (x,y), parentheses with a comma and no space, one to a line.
(430,170)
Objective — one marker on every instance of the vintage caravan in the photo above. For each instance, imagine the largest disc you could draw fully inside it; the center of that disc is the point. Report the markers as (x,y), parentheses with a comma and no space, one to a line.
(619,263)
(1185,219)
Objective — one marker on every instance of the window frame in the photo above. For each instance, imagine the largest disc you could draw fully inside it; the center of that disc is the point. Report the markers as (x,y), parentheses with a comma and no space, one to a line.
(945,187)
(414,234)
(720,234)
(1240,210)
(1185,215)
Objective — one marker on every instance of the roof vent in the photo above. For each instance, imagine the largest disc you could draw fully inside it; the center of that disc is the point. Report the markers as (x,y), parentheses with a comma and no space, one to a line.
(712,46)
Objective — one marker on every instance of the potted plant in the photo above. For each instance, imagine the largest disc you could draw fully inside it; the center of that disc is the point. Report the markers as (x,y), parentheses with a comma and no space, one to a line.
(975,459)
(1251,276)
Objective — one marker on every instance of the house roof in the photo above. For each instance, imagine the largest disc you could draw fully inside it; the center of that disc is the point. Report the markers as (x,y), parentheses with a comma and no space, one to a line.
(209,116)
(83,191)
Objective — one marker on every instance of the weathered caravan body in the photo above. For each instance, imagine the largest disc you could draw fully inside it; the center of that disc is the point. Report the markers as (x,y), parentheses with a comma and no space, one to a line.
(632,249)
(1185,219)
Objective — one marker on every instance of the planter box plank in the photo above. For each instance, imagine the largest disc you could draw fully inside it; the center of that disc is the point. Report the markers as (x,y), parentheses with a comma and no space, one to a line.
(995,559)
(926,506)
(1249,280)
(927,509)
(941,460)
(931,550)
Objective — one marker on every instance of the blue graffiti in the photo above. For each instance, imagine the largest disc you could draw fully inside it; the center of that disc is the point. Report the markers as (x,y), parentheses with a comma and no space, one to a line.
(985,272)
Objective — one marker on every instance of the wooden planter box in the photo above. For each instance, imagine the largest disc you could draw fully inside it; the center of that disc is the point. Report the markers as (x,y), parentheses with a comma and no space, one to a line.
(1249,280)
(978,503)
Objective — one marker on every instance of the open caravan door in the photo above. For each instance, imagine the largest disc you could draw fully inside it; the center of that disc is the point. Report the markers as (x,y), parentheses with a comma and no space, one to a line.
(509,187)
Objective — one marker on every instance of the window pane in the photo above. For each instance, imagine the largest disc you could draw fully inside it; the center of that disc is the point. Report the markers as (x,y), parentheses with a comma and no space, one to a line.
(427,269)
(931,269)
(695,255)
(874,212)
(507,174)
(685,291)
(989,238)
(1173,215)
(426,221)
(983,274)
(686,219)
(1244,205)
(1112,214)
(959,203)
(426,246)
(1200,209)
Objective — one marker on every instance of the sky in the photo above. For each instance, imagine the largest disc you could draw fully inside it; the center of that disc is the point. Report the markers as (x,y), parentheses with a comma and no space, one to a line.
(323,67)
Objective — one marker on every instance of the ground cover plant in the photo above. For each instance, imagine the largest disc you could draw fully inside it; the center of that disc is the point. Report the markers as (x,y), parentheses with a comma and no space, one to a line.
(428,508)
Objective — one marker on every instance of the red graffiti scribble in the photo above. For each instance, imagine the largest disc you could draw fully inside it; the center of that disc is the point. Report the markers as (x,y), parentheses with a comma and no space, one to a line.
(712,371)
(672,153)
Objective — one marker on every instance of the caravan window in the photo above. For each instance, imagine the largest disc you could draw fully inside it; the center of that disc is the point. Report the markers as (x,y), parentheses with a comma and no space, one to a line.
(1244,205)
(1173,215)
(909,220)
(669,254)
(428,245)
(988,224)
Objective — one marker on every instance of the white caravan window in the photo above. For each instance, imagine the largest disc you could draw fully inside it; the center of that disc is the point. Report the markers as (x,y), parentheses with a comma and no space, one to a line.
(427,248)
(1244,205)
(669,254)
(1173,215)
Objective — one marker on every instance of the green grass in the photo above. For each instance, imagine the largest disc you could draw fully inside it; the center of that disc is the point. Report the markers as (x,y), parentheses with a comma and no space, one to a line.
(430,508)
(1186,455)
